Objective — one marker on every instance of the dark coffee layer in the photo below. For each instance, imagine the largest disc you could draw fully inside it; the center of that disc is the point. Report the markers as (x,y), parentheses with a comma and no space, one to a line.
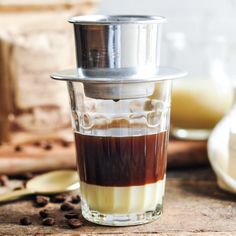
(121,161)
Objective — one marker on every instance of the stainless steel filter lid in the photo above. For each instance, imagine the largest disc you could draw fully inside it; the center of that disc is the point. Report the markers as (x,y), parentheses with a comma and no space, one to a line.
(117,43)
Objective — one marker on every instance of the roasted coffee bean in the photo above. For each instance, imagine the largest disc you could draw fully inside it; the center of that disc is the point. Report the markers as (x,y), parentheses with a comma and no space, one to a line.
(71,215)
(41,201)
(47,146)
(49,221)
(4,181)
(17,188)
(65,143)
(67,206)
(44,213)
(28,175)
(18,148)
(39,234)
(36,143)
(75,199)
(74,223)
(25,176)
(58,198)
(24,184)
(25,221)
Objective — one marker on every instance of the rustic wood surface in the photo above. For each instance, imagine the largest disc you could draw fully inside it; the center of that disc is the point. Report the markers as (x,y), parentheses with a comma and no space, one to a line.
(194,205)
(35,158)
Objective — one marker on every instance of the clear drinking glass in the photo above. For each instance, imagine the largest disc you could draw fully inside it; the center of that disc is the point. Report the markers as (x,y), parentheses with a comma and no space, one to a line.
(121,154)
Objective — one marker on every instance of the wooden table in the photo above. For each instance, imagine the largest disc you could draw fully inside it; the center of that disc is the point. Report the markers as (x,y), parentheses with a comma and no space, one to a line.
(194,205)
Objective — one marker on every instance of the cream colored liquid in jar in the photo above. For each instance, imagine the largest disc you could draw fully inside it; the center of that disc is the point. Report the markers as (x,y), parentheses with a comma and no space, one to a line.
(200,103)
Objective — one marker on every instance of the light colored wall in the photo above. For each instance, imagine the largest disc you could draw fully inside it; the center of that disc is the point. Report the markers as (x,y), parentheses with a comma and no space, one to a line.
(199,20)
(203,15)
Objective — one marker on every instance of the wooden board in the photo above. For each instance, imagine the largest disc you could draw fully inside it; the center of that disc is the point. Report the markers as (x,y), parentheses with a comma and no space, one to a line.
(36,159)
(194,205)
(183,154)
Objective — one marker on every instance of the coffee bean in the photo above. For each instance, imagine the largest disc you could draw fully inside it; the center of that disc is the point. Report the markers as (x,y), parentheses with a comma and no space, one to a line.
(75,199)
(24,184)
(74,223)
(41,201)
(47,146)
(65,143)
(17,188)
(18,148)
(58,198)
(36,143)
(39,234)
(44,213)
(25,176)
(48,221)
(71,215)
(67,206)
(25,221)
(4,181)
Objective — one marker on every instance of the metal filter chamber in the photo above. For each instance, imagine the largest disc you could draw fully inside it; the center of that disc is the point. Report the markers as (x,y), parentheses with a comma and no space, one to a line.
(118,57)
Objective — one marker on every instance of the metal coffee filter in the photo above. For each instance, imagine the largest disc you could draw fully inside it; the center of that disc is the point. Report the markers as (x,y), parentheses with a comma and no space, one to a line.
(118,57)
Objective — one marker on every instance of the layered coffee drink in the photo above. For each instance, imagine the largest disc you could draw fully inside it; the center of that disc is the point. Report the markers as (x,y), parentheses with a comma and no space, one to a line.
(120,108)
(121,147)
(122,174)
(121,151)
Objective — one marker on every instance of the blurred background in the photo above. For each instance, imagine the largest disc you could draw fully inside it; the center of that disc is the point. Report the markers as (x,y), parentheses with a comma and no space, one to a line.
(36,40)
(199,38)
(195,18)
(35,128)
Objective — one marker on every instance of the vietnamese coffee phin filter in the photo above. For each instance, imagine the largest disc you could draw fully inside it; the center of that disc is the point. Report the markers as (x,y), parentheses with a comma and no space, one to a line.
(120,104)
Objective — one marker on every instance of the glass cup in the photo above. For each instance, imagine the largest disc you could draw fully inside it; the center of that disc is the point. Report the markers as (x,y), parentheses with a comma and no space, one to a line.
(121,154)
(120,103)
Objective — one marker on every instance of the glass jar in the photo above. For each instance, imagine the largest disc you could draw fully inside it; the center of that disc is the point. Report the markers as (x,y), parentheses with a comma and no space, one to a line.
(202,98)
